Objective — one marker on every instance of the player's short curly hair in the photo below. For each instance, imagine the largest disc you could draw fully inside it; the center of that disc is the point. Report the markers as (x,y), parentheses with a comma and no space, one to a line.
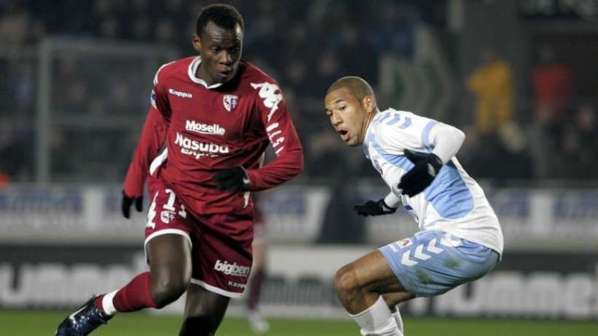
(224,16)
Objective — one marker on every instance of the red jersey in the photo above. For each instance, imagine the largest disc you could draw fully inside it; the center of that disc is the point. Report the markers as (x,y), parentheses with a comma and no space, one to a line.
(194,130)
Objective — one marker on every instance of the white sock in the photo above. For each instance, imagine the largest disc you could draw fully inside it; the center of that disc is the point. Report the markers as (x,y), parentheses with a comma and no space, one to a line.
(107,304)
(377,320)
(397,316)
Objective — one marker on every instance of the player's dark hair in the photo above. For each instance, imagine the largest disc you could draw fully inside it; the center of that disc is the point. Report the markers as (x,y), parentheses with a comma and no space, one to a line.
(224,16)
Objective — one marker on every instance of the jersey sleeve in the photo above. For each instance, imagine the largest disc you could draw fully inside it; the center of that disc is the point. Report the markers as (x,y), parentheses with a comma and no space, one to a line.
(285,142)
(400,131)
(151,140)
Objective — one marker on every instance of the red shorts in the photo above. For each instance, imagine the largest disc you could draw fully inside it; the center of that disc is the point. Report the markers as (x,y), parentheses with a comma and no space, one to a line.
(221,262)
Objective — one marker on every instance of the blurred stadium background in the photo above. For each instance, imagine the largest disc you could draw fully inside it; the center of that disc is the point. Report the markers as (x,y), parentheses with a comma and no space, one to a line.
(75,78)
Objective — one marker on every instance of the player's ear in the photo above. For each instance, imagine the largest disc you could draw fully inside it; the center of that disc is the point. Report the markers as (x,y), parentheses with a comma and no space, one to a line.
(196,42)
(369,104)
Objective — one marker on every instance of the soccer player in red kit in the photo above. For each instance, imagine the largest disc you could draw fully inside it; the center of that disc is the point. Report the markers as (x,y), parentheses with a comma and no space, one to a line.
(210,120)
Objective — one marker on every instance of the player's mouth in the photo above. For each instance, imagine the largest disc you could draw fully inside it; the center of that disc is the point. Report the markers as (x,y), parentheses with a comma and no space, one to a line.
(344,134)
(225,74)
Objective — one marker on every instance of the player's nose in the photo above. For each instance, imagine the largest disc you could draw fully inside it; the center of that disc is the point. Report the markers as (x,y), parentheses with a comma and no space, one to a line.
(227,58)
(335,120)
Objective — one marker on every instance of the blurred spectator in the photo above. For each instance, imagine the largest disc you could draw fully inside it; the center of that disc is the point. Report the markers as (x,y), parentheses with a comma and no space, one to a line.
(306,59)
(14,24)
(492,86)
(544,134)
(16,152)
(484,156)
(578,154)
(165,33)
(552,85)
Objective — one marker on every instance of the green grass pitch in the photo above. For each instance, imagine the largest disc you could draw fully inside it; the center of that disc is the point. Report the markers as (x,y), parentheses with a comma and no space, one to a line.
(26,323)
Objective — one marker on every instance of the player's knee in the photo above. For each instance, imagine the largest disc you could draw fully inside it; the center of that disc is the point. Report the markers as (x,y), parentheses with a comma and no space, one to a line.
(167,289)
(345,281)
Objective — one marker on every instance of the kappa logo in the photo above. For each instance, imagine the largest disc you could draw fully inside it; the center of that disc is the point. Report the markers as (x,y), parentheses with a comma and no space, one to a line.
(180,94)
(271,96)
(230,102)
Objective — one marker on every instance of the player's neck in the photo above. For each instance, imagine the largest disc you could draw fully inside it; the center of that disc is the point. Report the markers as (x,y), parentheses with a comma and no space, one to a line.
(203,75)
(368,120)
(366,124)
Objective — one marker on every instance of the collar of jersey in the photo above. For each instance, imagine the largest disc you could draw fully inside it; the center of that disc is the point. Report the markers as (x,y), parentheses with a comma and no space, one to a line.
(192,70)
(369,136)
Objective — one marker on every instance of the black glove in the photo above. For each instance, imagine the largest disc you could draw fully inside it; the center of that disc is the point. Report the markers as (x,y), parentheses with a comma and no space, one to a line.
(374,208)
(126,204)
(232,180)
(422,174)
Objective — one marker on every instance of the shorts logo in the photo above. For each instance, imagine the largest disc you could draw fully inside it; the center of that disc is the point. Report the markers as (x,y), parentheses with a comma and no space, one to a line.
(166,216)
(231,269)
(230,102)
(404,242)
(236,284)
(422,252)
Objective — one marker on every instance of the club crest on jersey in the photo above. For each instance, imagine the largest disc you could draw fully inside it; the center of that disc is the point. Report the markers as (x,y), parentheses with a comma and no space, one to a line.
(230,102)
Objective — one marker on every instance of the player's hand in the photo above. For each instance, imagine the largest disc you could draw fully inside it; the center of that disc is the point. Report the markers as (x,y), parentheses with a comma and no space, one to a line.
(374,208)
(232,180)
(127,201)
(422,174)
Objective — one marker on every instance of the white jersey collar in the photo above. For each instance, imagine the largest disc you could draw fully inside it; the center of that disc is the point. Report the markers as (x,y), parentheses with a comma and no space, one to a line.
(193,70)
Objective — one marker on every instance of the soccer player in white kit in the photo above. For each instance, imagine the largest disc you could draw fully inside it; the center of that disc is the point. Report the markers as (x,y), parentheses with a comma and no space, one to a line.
(460,239)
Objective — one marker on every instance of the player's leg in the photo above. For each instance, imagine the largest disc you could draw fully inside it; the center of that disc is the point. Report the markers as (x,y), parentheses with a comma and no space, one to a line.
(433,262)
(221,266)
(169,258)
(361,286)
(258,275)
(168,249)
(169,275)
(204,311)
(393,300)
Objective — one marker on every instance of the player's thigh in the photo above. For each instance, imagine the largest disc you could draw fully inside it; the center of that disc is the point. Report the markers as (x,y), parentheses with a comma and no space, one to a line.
(433,262)
(370,272)
(167,234)
(202,302)
(222,255)
(169,255)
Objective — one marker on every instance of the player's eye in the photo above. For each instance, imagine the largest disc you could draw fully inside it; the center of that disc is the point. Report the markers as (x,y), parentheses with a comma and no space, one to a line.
(215,50)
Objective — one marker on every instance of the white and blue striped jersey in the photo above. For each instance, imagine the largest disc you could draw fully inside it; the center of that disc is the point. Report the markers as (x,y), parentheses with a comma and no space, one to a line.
(454,202)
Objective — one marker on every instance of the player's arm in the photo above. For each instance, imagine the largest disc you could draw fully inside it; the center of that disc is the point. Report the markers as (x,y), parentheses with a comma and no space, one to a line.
(445,141)
(384,206)
(150,143)
(285,142)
